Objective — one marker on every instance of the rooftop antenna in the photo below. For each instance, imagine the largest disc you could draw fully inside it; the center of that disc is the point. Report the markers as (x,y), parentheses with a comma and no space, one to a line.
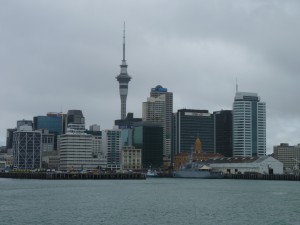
(236,85)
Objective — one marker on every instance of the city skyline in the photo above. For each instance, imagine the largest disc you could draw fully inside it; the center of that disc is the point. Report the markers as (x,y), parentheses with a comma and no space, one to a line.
(196,50)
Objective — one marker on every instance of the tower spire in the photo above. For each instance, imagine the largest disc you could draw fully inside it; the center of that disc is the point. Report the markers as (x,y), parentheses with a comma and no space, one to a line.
(124,43)
(236,85)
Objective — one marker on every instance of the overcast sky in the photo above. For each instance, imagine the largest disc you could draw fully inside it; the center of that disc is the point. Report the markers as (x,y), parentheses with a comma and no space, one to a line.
(60,55)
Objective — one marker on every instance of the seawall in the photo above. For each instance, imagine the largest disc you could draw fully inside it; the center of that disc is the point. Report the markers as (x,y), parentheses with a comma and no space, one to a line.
(74,176)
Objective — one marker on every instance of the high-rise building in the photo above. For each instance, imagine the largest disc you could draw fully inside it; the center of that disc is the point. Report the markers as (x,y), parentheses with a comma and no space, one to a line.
(112,144)
(288,155)
(123,78)
(53,122)
(149,137)
(27,146)
(249,125)
(159,109)
(190,124)
(223,132)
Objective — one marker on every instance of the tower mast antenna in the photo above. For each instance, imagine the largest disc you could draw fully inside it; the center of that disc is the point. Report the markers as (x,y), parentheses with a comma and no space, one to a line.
(124,42)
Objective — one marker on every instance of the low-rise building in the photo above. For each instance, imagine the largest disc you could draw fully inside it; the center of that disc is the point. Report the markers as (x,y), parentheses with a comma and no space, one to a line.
(288,155)
(131,158)
(196,156)
(242,165)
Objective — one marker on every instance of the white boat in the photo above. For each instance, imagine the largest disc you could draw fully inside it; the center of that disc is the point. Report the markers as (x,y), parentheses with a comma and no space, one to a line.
(151,173)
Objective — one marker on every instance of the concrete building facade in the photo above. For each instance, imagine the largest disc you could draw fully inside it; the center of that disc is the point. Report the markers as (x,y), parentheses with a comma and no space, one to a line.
(288,155)
(131,158)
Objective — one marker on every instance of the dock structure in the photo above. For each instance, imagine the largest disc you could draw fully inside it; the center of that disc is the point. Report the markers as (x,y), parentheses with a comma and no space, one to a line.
(74,176)
(257,176)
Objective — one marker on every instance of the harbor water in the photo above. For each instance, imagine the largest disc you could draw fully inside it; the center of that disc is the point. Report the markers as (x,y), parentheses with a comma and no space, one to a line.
(150,201)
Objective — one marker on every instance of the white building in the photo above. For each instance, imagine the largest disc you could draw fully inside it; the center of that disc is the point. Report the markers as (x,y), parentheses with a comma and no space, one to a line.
(249,125)
(241,165)
(77,150)
(111,145)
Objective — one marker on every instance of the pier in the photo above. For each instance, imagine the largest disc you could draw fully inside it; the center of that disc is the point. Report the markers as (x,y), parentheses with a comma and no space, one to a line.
(74,176)
(250,176)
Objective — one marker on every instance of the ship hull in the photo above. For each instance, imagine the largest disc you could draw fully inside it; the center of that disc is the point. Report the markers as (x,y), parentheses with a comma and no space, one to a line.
(197,174)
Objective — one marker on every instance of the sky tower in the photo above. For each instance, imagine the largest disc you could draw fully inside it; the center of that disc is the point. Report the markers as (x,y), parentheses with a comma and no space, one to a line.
(123,78)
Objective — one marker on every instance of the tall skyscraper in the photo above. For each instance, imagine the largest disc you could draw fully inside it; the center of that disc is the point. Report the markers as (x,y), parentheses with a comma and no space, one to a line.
(249,125)
(159,109)
(123,78)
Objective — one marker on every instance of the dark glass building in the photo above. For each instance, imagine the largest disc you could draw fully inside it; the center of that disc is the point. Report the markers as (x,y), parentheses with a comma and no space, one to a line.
(52,122)
(190,124)
(149,137)
(223,132)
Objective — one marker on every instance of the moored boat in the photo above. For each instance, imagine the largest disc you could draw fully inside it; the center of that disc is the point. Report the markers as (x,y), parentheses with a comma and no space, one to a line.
(151,173)
(197,170)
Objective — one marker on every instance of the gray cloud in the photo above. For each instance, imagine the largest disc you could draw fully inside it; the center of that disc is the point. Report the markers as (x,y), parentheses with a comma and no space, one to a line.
(60,55)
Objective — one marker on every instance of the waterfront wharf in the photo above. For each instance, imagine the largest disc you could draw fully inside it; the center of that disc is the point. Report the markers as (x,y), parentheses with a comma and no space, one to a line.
(254,176)
(73,176)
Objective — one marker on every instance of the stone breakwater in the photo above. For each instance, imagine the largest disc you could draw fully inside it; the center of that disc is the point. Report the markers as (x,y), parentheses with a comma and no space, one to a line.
(74,176)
